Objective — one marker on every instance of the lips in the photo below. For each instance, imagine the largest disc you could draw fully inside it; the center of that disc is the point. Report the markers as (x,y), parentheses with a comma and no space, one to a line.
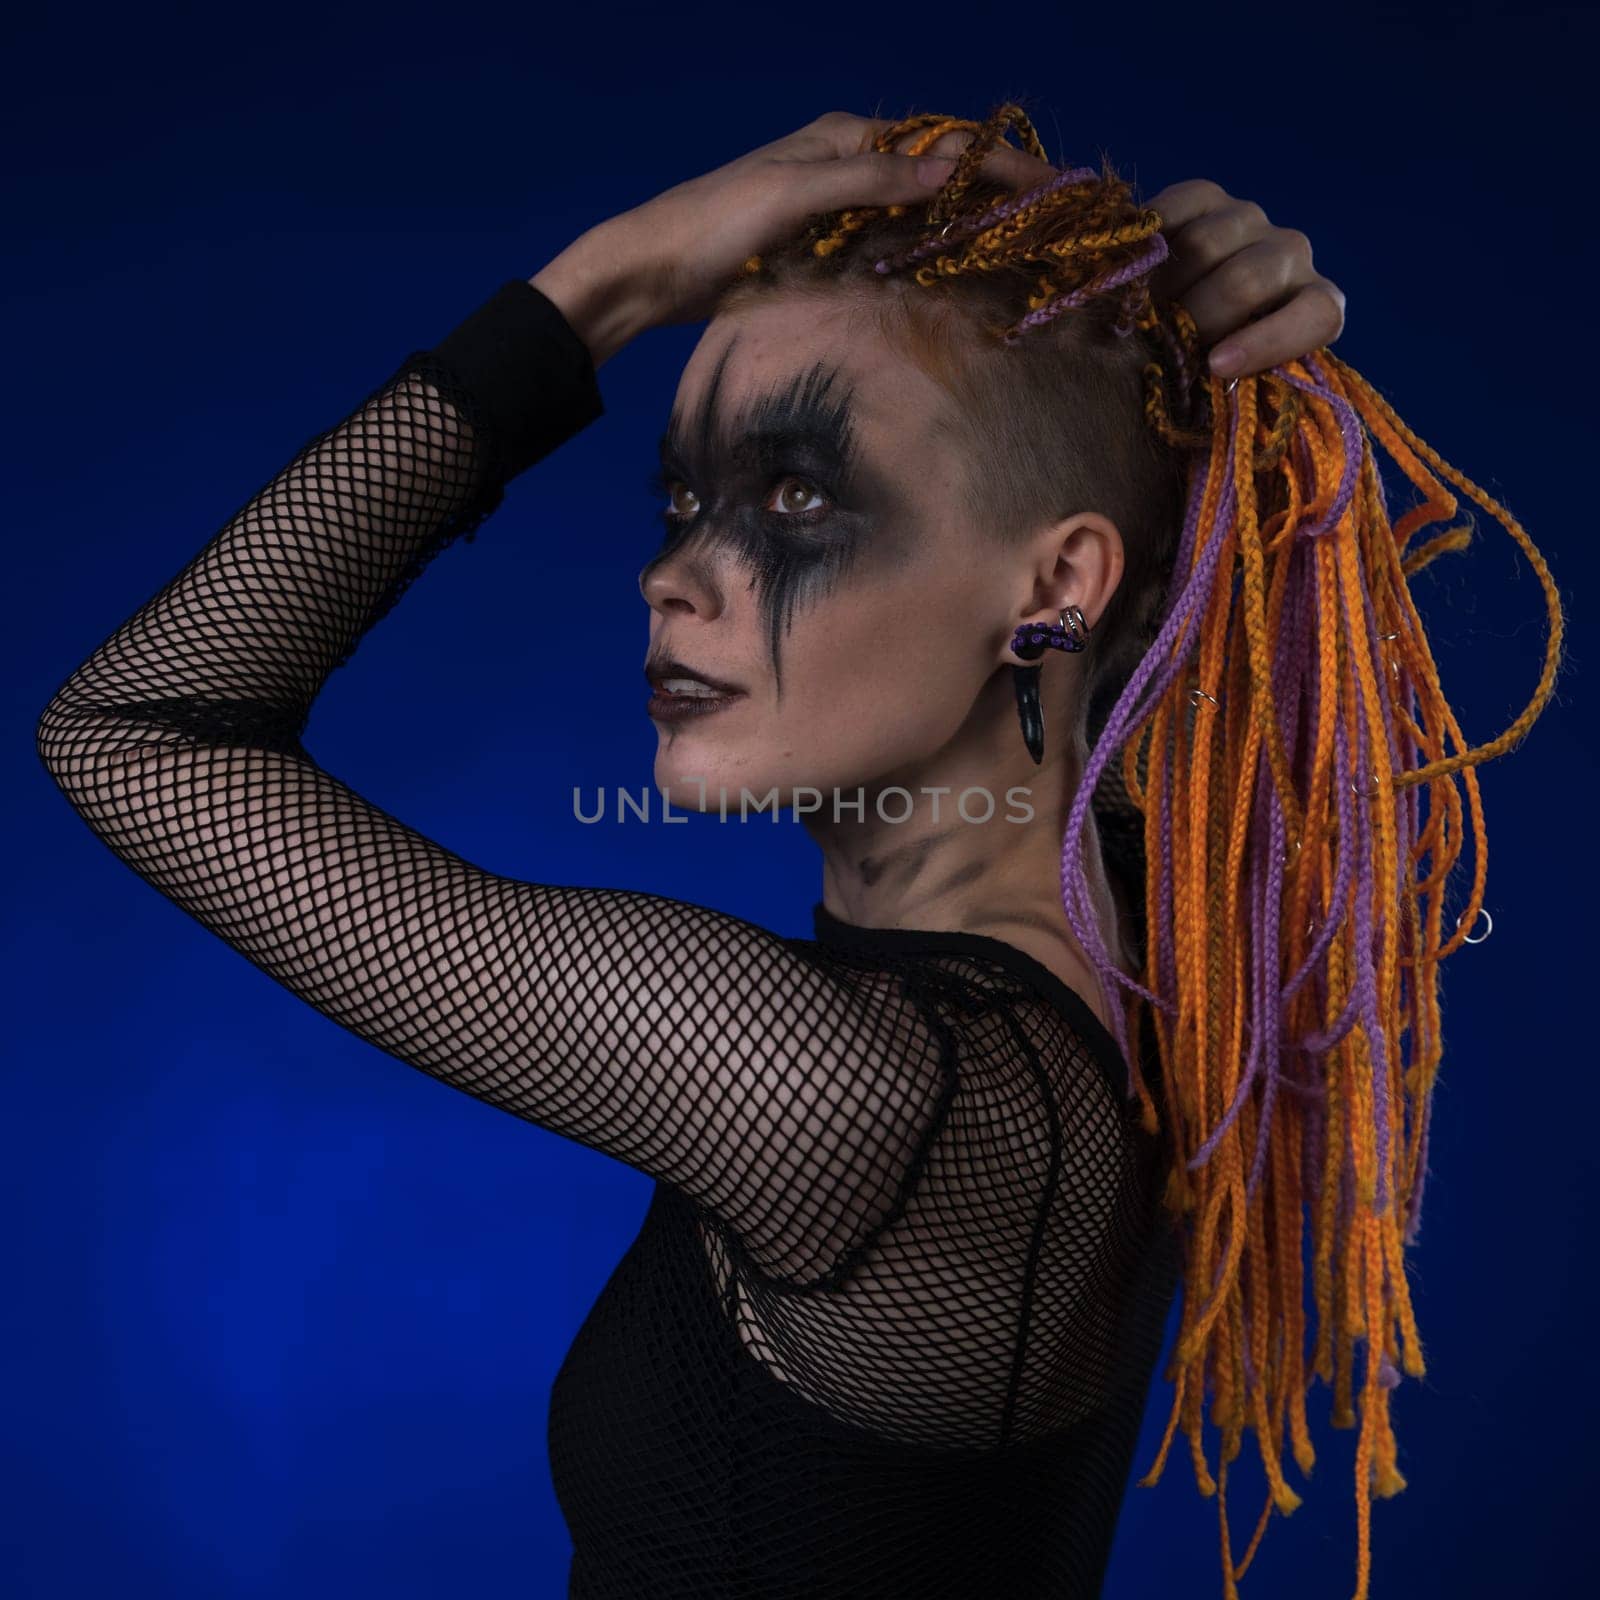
(658,671)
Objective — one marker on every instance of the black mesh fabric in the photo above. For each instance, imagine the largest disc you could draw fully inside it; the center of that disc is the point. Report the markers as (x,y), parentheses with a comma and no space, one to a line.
(890,1321)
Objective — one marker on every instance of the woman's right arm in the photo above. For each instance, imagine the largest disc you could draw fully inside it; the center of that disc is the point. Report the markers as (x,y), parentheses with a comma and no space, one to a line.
(691,1045)
(602,289)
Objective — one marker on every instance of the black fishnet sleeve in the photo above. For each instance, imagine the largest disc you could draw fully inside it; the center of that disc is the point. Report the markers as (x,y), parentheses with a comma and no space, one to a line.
(787,1098)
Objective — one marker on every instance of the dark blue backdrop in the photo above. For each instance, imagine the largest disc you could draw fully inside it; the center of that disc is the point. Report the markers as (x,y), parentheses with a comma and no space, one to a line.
(281,1315)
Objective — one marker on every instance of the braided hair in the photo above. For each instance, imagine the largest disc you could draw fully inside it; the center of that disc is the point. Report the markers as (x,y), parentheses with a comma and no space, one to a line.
(1264,717)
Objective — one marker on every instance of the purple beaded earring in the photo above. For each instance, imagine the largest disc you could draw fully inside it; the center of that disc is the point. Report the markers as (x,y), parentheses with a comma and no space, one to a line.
(1030,641)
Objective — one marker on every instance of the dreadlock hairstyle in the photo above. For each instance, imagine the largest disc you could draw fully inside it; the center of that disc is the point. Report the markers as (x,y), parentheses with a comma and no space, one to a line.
(1266,717)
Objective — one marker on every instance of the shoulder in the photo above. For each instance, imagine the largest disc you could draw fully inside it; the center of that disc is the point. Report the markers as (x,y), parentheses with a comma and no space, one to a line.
(960,981)
(1064,960)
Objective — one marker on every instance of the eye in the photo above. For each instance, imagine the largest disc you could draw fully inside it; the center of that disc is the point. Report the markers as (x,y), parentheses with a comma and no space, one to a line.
(788,507)
(661,484)
(810,504)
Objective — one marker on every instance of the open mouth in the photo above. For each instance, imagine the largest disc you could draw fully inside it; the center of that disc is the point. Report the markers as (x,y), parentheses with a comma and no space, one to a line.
(677,700)
(664,670)
(697,688)
(678,691)
(667,705)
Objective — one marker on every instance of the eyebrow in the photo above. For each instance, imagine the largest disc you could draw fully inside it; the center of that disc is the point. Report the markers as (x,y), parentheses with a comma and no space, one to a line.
(762,446)
(809,412)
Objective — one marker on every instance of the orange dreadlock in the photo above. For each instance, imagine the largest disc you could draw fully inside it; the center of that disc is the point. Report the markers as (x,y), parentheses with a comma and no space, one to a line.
(1275,737)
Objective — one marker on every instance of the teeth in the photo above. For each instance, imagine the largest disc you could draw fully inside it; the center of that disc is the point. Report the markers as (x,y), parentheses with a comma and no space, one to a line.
(691,686)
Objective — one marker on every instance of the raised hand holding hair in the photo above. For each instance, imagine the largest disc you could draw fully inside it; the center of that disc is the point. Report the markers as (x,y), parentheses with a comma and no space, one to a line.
(1249,285)
(667,260)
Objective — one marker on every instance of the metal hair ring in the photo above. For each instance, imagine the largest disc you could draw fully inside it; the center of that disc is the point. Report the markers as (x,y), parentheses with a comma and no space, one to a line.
(1486,932)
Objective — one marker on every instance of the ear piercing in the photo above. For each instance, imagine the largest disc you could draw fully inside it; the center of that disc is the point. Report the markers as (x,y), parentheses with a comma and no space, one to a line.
(1032,639)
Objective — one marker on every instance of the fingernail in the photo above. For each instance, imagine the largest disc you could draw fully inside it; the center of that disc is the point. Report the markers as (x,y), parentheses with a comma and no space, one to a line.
(933,170)
(1226,359)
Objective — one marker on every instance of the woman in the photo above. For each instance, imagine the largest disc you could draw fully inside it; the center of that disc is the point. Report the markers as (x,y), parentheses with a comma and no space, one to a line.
(890,1322)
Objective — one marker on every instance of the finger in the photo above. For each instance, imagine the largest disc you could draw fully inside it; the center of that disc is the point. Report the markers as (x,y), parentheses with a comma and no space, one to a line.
(1210,241)
(878,178)
(834,136)
(844,135)
(1017,169)
(842,132)
(1250,282)
(1314,317)
(1181,203)
(1004,164)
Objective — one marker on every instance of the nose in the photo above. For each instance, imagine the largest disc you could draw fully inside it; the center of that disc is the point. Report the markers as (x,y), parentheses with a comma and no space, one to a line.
(681,581)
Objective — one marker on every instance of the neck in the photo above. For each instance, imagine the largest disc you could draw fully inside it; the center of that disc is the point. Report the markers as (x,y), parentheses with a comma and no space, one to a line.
(940,871)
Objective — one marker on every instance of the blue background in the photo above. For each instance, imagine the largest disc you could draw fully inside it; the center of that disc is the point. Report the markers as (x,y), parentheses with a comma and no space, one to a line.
(280,1315)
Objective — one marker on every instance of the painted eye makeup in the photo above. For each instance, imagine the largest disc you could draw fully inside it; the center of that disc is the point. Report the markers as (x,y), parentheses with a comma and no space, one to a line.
(663,480)
(795,503)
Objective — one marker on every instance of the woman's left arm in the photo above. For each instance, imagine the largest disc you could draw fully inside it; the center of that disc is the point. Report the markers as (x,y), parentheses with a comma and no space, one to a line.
(1249,285)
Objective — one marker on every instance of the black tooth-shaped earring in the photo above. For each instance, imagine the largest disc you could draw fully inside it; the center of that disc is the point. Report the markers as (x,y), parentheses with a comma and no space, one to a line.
(1029,711)
(1030,641)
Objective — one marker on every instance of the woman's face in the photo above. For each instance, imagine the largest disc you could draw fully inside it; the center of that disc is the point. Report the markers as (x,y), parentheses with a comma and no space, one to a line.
(820,560)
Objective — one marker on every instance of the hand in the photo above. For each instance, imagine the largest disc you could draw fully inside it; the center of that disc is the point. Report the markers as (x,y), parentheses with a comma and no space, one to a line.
(668,260)
(701,232)
(1244,281)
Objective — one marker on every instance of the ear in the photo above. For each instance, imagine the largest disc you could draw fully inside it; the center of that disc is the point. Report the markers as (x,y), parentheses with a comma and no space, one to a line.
(1078,561)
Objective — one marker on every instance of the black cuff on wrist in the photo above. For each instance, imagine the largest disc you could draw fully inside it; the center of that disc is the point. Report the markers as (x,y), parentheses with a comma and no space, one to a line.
(531,375)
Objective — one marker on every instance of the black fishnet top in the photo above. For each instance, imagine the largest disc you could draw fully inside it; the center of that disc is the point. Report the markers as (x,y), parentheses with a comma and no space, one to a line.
(889,1323)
